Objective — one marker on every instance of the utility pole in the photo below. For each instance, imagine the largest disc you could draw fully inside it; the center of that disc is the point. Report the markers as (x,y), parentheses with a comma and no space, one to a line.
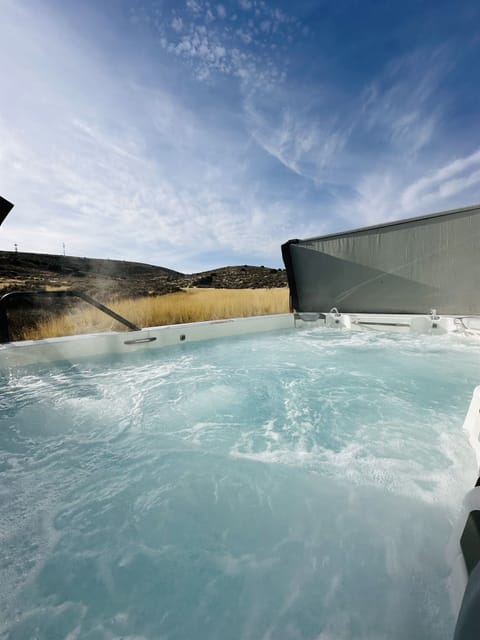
(63,246)
(16,247)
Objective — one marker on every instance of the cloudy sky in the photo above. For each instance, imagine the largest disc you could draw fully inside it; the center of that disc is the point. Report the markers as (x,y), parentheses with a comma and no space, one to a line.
(194,134)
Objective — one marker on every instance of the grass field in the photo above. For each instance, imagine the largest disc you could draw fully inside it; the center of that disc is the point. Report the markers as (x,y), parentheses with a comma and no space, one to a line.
(189,305)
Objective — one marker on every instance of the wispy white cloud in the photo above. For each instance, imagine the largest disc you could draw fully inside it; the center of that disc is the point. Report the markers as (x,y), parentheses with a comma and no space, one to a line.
(210,39)
(393,117)
(455,177)
(416,172)
(101,199)
(139,176)
(299,140)
(389,194)
(177,24)
(400,103)
(380,157)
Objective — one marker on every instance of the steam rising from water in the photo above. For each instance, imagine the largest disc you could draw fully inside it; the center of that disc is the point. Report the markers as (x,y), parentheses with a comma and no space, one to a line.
(299,485)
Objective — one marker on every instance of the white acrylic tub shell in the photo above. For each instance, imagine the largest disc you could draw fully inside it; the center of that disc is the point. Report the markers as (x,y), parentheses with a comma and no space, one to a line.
(29,352)
(15,354)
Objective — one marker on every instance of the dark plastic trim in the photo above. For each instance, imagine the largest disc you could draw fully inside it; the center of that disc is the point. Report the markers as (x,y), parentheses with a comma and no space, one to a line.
(384,324)
(470,541)
(5,208)
(287,261)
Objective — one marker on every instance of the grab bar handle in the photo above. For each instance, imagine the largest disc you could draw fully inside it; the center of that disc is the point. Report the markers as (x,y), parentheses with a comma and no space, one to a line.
(139,340)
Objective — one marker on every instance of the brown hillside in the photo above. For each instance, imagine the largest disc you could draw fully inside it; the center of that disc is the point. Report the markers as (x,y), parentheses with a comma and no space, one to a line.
(106,279)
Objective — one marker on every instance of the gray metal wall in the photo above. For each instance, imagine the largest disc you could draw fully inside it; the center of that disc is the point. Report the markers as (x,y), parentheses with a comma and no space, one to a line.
(410,266)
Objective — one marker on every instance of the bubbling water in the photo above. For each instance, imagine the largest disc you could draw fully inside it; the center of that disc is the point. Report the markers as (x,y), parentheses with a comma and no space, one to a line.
(301,484)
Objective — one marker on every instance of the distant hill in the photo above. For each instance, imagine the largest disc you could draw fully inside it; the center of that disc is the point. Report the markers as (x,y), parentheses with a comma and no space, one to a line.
(106,279)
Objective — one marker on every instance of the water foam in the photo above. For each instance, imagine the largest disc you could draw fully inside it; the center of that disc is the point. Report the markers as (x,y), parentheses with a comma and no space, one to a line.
(300,485)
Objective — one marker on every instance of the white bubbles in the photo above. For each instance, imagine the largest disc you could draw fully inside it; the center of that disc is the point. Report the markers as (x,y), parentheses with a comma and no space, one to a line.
(249,484)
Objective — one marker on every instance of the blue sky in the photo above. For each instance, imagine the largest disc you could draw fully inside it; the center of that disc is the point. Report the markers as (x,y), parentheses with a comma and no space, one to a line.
(195,134)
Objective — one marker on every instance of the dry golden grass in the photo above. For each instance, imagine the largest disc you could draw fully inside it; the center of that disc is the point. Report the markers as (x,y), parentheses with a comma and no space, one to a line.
(189,305)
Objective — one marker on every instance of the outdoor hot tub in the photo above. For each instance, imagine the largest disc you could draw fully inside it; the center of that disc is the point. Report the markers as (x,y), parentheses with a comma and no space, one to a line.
(279,477)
